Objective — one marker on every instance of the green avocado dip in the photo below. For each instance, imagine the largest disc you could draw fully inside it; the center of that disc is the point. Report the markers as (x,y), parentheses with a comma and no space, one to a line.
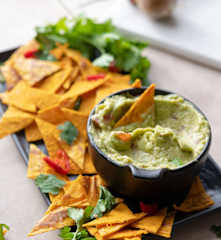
(172,134)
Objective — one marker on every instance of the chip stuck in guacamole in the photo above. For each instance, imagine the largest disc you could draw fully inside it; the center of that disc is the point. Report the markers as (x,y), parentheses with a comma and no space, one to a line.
(170,134)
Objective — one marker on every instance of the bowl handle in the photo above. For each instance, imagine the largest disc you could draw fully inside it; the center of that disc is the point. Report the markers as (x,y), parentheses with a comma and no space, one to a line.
(148,174)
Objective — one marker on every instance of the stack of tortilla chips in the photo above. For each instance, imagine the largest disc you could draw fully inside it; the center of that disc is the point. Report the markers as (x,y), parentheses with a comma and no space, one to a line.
(40,96)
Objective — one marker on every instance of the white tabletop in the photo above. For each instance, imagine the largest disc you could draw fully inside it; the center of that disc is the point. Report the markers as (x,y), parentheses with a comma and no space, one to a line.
(21,204)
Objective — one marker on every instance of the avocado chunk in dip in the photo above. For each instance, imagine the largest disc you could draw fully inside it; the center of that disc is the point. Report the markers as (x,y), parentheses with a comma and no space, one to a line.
(171,135)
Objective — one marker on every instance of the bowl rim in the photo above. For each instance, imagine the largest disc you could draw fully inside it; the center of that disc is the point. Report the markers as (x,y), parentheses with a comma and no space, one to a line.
(141,172)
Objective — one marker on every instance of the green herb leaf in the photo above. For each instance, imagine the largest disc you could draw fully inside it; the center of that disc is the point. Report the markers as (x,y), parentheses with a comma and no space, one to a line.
(66,234)
(105,203)
(104,60)
(100,42)
(49,183)
(2,226)
(45,55)
(68,133)
(217,230)
(77,104)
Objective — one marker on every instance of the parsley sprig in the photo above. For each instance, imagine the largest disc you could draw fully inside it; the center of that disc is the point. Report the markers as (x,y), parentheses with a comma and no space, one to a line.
(2,227)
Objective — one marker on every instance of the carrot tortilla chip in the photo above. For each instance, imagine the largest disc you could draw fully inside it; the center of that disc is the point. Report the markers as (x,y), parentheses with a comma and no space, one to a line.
(81,192)
(197,199)
(167,226)
(127,233)
(34,70)
(14,120)
(142,105)
(153,223)
(115,83)
(52,83)
(29,99)
(119,214)
(137,84)
(47,131)
(37,165)
(32,133)
(110,229)
(10,75)
(53,220)
(82,86)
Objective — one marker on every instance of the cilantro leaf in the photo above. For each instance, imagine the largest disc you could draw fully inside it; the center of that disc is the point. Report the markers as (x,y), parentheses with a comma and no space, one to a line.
(104,60)
(100,42)
(68,133)
(49,183)
(2,226)
(216,229)
(66,234)
(77,104)
(105,203)
(177,162)
(45,55)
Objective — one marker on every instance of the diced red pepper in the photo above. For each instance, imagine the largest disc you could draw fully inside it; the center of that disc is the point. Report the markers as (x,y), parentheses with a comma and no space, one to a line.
(95,77)
(61,164)
(30,53)
(113,67)
(150,209)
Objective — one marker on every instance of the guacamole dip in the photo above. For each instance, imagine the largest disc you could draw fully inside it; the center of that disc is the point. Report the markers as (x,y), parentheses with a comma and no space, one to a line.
(172,134)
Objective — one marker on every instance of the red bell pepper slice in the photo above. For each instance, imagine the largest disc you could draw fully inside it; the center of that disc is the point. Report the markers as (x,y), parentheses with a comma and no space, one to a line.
(95,77)
(61,164)
(30,53)
(150,209)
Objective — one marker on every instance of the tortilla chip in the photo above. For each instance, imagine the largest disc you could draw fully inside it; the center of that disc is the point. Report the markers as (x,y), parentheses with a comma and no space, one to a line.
(115,83)
(142,105)
(13,121)
(68,102)
(29,99)
(53,220)
(88,164)
(120,214)
(52,83)
(134,238)
(59,51)
(34,70)
(153,223)
(78,193)
(32,133)
(82,86)
(110,229)
(37,166)
(93,232)
(167,226)
(10,75)
(127,233)
(75,151)
(137,83)
(72,77)
(52,114)
(87,102)
(47,131)
(197,199)
(78,119)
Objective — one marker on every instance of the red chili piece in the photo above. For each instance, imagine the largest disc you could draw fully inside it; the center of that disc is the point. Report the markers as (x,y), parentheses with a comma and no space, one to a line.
(95,77)
(113,67)
(61,164)
(150,209)
(30,53)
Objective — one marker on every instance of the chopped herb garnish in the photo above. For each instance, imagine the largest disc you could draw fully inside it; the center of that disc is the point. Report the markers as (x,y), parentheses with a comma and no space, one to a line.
(2,227)
(49,183)
(217,230)
(100,42)
(68,133)
(77,104)
(104,204)
(177,162)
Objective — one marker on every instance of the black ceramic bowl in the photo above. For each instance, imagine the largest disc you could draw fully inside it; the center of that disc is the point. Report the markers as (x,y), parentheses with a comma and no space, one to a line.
(161,185)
